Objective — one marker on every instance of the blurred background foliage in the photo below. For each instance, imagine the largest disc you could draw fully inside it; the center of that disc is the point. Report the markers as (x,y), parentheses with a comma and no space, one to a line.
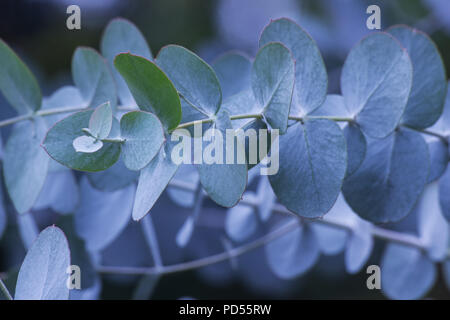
(36,29)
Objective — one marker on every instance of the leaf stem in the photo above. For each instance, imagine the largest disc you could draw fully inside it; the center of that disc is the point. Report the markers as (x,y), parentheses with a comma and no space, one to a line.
(5,290)
(152,241)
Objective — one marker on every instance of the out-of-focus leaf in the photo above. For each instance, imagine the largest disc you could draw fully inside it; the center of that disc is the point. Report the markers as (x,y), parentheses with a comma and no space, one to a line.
(376,81)
(293,253)
(60,192)
(17,83)
(233,72)
(28,229)
(241,222)
(266,198)
(310,73)
(313,161)
(391,178)
(25,163)
(273,77)
(43,275)
(406,273)
(427,96)
(433,228)
(123,36)
(65,97)
(439,158)
(102,216)
(93,77)
(186,173)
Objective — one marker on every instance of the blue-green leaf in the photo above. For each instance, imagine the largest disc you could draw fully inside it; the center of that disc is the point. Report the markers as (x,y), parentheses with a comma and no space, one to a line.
(427,96)
(42,275)
(241,222)
(123,36)
(102,216)
(93,77)
(144,136)
(224,183)
(151,88)
(359,246)
(433,228)
(100,122)
(293,253)
(65,97)
(356,147)
(194,79)
(273,76)
(311,80)
(313,161)
(25,163)
(17,83)
(391,178)
(444,193)
(376,81)
(59,139)
(233,72)
(406,273)
(439,158)
(153,179)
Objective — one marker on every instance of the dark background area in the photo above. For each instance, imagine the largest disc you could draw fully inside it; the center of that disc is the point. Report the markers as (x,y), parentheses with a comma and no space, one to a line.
(36,29)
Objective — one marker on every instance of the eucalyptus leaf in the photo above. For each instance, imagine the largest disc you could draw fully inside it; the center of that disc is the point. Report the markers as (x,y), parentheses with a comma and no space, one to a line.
(313,161)
(406,273)
(100,122)
(151,88)
(433,228)
(241,222)
(65,97)
(28,229)
(293,253)
(233,71)
(194,79)
(429,86)
(87,144)
(153,179)
(376,82)
(123,36)
(59,139)
(94,221)
(359,246)
(444,193)
(273,77)
(356,147)
(93,78)
(391,178)
(439,158)
(17,83)
(25,163)
(42,275)
(144,136)
(185,233)
(311,80)
(224,183)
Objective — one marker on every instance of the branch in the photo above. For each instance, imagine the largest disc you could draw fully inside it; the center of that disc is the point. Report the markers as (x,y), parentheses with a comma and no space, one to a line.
(5,290)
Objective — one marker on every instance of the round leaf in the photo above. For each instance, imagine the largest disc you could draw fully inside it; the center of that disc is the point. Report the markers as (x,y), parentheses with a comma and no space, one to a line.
(273,76)
(429,86)
(42,275)
(310,73)
(87,144)
(391,178)
(313,162)
(151,88)
(100,123)
(144,136)
(233,72)
(376,81)
(59,139)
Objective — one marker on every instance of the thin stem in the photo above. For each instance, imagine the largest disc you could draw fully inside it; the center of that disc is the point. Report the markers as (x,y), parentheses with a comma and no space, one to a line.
(377,232)
(195,264)
(5,290)
(152,241)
